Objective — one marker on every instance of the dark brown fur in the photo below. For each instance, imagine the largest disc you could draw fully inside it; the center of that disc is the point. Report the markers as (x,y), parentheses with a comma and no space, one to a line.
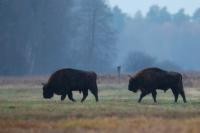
(151,79)
(64,81)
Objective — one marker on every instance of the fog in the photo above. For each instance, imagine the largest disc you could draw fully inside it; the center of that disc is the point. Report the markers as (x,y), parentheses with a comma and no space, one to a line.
(41,36)
(164,36)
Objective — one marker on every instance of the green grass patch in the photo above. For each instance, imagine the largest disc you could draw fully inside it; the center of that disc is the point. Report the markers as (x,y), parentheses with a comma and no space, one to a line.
(116,103)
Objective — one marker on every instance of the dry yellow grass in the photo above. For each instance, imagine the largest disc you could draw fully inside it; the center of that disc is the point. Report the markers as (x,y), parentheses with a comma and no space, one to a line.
(23,110)
(112,124)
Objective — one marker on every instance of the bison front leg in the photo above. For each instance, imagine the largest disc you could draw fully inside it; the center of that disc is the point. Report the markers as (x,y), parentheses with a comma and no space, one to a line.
(154,93)
(85,94)
(141,96)
(70,96)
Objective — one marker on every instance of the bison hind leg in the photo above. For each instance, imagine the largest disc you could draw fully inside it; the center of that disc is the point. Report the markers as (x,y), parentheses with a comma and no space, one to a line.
(182,91)
(95,93)
(183,95)
(70,96)
(154,93)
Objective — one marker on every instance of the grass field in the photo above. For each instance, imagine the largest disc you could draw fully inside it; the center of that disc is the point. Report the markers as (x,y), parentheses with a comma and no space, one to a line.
(23,110)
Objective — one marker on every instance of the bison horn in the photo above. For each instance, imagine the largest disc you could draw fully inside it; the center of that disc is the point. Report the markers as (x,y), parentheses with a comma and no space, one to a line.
(129,75)
(43,84)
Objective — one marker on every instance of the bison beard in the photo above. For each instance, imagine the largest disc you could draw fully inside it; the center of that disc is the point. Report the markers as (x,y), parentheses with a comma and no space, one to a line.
(64,81)
(151,79)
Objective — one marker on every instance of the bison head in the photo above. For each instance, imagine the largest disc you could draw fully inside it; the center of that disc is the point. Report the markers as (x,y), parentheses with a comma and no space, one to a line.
(133,84)
(47,91)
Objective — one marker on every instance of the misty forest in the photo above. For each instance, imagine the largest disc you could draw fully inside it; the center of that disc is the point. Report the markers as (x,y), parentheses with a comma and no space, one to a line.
(41,36)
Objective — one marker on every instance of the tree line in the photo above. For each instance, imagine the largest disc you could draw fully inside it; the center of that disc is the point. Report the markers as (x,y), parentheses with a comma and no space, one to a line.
(170,40)
(40,36)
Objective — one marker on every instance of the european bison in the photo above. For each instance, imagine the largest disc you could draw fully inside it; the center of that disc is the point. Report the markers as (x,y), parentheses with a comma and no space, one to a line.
(151,79)
(64,81)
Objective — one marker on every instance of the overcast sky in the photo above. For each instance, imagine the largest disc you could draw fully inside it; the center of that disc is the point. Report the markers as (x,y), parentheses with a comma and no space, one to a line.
(131,6)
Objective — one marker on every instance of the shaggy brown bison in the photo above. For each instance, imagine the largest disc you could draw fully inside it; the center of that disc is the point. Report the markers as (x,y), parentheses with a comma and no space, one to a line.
(151,79)
(64,81)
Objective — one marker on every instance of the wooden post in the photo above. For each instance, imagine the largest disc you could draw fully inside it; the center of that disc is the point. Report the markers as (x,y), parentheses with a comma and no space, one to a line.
(119,73)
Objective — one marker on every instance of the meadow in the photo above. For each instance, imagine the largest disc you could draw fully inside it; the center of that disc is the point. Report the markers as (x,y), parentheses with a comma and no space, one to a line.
(23,110)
